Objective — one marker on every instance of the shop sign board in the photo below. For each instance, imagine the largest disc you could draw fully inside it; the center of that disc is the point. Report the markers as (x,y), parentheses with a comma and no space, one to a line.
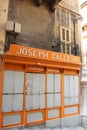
(35,53)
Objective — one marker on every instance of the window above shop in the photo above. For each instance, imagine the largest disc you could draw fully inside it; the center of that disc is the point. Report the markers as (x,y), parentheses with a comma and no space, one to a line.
(65,26)
(65,34)
(65,18)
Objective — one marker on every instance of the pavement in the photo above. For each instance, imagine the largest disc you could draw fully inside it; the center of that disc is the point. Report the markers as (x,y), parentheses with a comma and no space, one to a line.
(42,128)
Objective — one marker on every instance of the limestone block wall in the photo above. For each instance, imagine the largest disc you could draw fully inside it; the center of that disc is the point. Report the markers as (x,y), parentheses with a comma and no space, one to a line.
(3,20)
(71,4)
(40,28)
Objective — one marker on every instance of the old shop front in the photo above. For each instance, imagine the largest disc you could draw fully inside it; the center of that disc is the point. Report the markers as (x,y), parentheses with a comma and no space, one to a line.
(39,86)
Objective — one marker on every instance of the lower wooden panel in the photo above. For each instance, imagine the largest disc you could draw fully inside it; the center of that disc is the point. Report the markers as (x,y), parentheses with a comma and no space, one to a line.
(11,119)
(70,110)
(34,117)
(53,113)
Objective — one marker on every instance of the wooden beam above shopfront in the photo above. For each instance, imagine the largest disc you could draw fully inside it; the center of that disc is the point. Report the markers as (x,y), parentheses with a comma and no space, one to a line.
(27,55)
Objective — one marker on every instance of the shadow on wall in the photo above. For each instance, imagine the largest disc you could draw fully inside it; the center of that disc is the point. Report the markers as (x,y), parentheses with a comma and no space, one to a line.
(37,24)
(43,41)
(48,3)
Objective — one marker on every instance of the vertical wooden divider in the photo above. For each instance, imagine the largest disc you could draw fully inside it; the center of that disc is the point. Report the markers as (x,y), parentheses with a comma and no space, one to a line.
(24,98)
(1,91)
(62,96)
(45,94)
(79,95)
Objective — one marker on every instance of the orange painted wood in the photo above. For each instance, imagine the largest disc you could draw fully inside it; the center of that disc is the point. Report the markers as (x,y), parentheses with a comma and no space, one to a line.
(69,115)
(11,113)
(71,106)
(79,96)
(62,96)
(35,111)
(34,60)
(71,72)
(12,125)
(26,55)
(34,69)
(23,51)
(13,66)
(53,70)
(24,100)
(46,90)
(1,90)
(58,108)
(45,63)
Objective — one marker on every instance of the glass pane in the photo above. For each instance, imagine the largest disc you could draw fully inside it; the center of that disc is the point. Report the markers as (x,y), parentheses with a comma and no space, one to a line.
(10,119)
(18,102)
(18,82)
(34,116)
(35,83)
(63,34)
(67,18)
(50,100)
(71,83)
(29,102)
(36,100)
(7,103)
(52,83)
(66,86)
(8,81)
(67,35)
(63,17)
(57,83)
(76,85)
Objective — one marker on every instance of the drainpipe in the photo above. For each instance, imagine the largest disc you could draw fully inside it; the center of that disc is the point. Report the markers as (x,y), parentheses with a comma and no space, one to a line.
(74,25)
(75,49)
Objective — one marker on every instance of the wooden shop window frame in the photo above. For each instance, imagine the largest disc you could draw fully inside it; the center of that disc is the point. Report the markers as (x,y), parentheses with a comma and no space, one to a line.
(52,71)
(73,74)
(49,65)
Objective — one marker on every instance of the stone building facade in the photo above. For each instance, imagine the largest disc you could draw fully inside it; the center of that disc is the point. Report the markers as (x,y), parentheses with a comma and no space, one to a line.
(41,28)
(84,67)
(28,28)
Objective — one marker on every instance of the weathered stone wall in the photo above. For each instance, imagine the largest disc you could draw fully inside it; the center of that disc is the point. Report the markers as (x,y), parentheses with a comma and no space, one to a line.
(38,23)
(3,20)
(71,5)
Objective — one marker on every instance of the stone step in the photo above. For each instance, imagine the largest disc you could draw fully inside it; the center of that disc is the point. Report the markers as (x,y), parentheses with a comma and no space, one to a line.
(77,128)
(38,128)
